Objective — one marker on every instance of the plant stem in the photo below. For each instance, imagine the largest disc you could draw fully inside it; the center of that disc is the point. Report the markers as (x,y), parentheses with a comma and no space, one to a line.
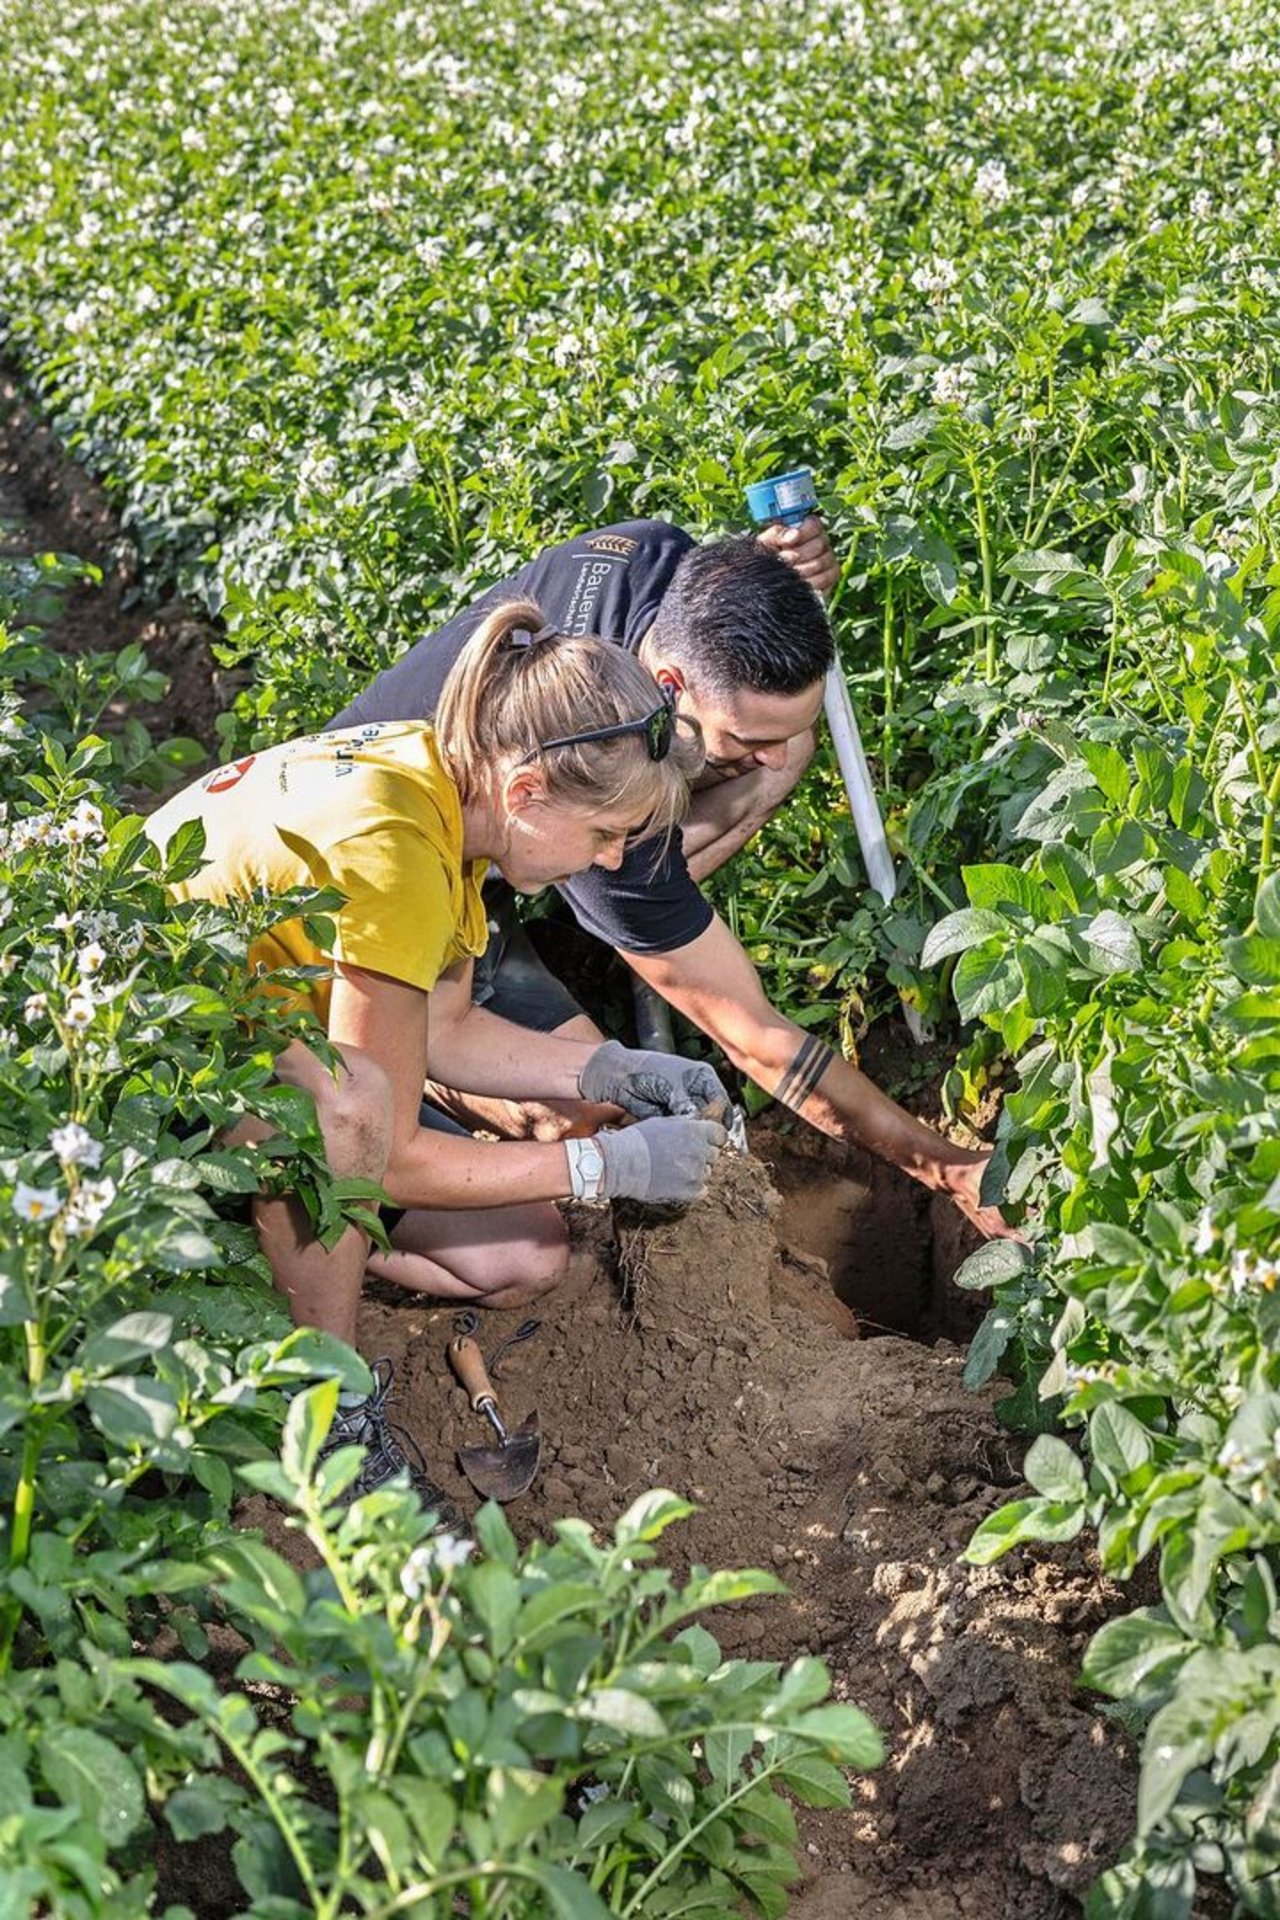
(890,673)
(1266,852)
(1111,650)
(665,1865)
(1033,535)
(986,625)
(24,1494)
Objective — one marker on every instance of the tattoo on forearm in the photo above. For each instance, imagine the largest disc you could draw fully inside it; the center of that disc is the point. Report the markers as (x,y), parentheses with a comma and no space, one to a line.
(802,1076)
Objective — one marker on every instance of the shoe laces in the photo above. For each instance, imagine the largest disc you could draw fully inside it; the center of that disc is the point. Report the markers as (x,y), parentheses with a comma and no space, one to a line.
(389,1448)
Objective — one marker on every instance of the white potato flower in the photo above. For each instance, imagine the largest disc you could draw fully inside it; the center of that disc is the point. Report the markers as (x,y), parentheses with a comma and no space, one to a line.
(952,386)
(88,1204)
(991,183)
(75,1146)
(35,1203)
(84,825)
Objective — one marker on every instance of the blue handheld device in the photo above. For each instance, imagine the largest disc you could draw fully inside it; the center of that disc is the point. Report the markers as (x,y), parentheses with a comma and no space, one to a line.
(789,497)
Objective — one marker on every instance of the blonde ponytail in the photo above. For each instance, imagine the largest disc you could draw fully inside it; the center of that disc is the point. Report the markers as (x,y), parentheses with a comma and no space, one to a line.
(518,683)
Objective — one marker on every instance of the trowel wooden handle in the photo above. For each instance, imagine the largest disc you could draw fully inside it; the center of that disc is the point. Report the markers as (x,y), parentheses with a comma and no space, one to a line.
(467,1362)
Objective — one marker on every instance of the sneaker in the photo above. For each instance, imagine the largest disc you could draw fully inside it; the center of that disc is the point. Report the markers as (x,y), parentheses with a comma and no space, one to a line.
(388,1450)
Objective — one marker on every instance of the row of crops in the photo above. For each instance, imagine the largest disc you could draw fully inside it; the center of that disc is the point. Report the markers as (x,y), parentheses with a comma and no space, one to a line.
(353,307)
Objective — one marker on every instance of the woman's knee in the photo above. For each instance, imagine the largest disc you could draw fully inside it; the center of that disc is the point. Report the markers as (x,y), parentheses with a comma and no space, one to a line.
(545,1249)
(532,1261)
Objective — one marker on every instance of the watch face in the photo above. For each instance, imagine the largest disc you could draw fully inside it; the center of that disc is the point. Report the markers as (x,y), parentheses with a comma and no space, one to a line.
(592,1160)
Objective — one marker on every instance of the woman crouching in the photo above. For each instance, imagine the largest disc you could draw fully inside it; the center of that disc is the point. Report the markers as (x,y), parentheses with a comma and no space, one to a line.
(547,754)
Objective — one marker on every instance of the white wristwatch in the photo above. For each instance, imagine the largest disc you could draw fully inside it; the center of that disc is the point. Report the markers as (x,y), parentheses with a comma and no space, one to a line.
(586,1169)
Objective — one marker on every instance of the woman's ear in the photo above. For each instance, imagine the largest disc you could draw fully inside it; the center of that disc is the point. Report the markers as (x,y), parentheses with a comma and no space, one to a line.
(524,787)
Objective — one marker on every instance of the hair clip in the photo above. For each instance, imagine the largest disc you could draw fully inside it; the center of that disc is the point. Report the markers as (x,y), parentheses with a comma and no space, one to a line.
(521,637)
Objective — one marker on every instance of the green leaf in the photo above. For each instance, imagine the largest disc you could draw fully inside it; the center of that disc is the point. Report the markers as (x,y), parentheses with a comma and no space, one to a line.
(1117,1439)
(133,1412)
(805,1683)
(494,1534)
(1067,875)
(91,1774)
(1053,1469)
(551,1605)
(1126,1653)
(764,1812)
(1266,908)
(622,1711)
(308,1354)
(1109,769)
(1254,959)
(15,1788)
(995,1264)
(431,1811)
(650,1515)
(494,1593)
(987,980)
(15,1299)
(196,1811)
(1111,944)
(1050,571)
(519,1802)
(1177,1742)
(569,1896)
(846,1733)
(1184,895)
(968,927)
(306,1428)
(1190,1556)
(987,1347)
(726,1748)
(1020,1521)
(704,1648)
(132,1337)
(814,1780)
(996,885)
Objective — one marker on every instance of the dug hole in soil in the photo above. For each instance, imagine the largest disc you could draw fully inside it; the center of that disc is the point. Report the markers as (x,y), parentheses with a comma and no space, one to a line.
(785,1354)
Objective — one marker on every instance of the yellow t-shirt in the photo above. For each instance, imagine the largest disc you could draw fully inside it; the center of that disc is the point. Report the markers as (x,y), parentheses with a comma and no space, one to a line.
(369,811)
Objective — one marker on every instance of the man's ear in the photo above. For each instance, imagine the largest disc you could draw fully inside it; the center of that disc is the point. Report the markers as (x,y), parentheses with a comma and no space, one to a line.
(670,679)
(523,788)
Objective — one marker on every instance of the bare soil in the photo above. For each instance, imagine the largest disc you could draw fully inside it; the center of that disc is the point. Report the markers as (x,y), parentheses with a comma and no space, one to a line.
(48,504)
(708,1353)
(787,1354)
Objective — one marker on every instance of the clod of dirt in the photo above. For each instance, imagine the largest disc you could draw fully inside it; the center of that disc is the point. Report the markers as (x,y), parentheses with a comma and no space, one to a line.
(726,1237)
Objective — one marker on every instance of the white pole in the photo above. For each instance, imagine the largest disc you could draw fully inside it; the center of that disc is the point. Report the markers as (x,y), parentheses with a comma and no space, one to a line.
(863,804)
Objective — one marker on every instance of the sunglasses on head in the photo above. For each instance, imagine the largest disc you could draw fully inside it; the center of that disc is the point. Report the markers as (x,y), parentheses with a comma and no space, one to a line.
(657,729)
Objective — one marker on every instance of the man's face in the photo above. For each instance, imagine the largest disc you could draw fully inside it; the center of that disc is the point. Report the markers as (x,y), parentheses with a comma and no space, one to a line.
(745,730)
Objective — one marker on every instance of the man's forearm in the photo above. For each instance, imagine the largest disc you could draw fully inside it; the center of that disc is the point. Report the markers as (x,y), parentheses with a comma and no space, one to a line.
(713,983)
(807,1076)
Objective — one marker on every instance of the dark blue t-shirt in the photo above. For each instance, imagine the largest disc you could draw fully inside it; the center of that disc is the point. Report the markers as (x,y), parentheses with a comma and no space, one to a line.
(609,582)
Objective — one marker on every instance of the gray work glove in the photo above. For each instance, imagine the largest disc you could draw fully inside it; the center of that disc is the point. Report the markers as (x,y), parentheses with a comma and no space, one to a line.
(648,1084)
(661,1160)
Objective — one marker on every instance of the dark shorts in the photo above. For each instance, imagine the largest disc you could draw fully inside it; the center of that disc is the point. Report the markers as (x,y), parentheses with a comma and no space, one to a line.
(510,980)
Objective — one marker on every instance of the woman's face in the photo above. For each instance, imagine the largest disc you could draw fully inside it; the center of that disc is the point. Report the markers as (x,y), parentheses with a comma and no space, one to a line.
(548,841)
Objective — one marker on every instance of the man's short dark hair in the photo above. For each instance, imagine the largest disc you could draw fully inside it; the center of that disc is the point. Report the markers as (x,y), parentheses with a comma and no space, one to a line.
(735,615)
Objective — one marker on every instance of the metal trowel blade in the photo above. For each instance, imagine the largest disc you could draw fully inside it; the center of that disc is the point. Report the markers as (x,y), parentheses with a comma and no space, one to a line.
(504,1473)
